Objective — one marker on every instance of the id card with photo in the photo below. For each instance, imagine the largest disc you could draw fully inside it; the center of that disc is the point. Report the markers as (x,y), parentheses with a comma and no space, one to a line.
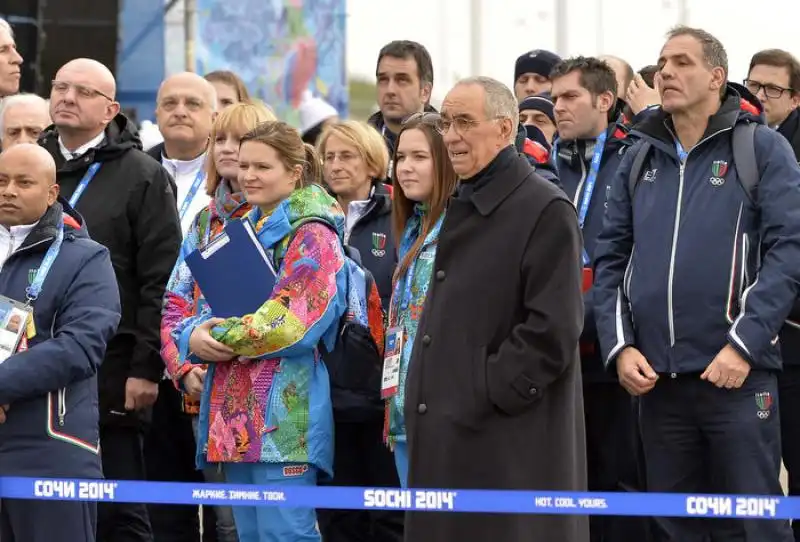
(390,381)
(14,322)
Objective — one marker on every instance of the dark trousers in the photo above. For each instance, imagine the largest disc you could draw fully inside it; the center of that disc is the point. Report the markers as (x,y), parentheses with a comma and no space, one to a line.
(789,395)
(47,521)
(612,453)
(121,452)
(361,459)
(702,439)
(169,450)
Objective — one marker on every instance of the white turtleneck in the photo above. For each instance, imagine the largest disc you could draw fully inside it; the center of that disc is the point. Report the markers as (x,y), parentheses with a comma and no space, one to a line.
(185,172)
(11,239)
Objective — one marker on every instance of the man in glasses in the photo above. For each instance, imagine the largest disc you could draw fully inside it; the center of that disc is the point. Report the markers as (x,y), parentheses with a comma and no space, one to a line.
(128,202)
(774,77)
(495,371)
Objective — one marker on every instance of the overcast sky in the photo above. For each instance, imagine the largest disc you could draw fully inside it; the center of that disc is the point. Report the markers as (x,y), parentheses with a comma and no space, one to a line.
(632,29)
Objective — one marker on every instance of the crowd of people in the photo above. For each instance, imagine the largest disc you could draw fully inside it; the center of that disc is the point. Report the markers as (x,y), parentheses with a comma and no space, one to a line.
(584,282)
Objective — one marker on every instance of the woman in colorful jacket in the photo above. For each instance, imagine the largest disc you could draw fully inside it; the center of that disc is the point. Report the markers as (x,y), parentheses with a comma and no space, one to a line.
(427,180)
(265,408)
(183,298)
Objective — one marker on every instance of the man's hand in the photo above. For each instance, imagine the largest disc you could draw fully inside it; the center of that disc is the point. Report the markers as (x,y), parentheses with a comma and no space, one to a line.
(204,346)
(640,95)
(727,370)
(3,410)
(635,374)
(140,393)
(193,381)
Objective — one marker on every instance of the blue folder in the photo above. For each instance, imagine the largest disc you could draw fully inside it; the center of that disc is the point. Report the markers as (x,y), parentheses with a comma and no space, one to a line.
(233,271)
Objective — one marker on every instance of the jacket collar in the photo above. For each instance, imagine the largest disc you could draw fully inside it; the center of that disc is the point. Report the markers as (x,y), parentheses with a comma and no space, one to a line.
(46,228)
(497,181)
(790,129)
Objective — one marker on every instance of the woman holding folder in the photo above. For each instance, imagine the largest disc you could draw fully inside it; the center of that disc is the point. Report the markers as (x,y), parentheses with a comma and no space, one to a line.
(265,409)
(427,180)
(183,298)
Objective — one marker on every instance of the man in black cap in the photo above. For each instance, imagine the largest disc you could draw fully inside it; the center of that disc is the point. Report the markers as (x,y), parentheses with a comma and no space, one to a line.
(537,111)
(532,73)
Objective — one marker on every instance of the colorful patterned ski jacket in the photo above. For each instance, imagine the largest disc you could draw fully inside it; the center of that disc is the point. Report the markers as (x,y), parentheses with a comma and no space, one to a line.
(183,298)
(408,299)
(272,405)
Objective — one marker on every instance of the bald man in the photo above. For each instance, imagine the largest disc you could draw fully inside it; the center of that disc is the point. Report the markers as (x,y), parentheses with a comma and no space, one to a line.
(48,376)
(185,110)
(622,70)
(128,201)
(22,118)
(10,61)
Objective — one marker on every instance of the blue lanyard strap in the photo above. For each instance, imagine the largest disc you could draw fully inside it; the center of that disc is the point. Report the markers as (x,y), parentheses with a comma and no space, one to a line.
(187,201)
(35,288)
(84,183)
(588,185)
(408,280)
(682,153)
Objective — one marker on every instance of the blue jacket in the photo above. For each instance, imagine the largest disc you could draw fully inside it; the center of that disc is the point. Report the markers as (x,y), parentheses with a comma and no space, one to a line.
(573,161)
(52,425)
(691,263)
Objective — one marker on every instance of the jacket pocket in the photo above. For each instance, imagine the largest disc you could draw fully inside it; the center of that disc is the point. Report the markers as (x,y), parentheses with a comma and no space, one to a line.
(739,277)
(63,428)
(510,391)
(469,401)
(627,279)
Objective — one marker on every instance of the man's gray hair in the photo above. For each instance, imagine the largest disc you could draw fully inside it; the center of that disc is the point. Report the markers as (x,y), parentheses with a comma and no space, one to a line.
(21,99)
(714,53)
(499,101)
(7,27)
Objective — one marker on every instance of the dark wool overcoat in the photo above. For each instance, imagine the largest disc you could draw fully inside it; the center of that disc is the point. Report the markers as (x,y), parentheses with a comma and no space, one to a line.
(493,397)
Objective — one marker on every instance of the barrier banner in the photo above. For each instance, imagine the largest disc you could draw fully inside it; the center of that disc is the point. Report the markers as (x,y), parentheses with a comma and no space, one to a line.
(359,498)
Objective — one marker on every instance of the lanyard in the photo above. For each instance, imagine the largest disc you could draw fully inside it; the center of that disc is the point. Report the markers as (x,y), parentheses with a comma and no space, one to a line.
(408,280)
(682,154)
(187,201)
(35,288)
(588,187)
(81,188)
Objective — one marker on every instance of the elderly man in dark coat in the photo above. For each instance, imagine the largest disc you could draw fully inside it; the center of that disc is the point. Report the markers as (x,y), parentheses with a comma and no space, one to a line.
(493,398)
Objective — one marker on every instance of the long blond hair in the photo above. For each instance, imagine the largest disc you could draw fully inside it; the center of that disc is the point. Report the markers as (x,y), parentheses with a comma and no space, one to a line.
(237,119)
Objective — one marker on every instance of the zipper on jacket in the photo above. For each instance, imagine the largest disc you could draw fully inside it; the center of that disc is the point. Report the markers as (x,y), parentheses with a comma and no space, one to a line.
(62,406)
(369,209)
(10,244)
(671,274)
(12,253)
(580,185)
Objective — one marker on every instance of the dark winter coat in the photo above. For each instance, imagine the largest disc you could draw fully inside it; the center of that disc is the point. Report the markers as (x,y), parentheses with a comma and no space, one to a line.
(493,398)
(130,208)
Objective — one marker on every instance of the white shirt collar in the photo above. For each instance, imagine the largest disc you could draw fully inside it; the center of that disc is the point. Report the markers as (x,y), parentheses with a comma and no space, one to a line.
(178,168)
(83,149)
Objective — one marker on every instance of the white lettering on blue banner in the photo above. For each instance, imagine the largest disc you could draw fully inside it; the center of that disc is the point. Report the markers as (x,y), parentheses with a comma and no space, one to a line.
(569,502)
(86,491)
(409,500)
(238,495)
(745,507)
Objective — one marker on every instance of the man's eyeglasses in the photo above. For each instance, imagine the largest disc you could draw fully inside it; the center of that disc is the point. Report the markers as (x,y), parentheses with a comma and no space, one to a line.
(62,87)
(770,91)
(461,125)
